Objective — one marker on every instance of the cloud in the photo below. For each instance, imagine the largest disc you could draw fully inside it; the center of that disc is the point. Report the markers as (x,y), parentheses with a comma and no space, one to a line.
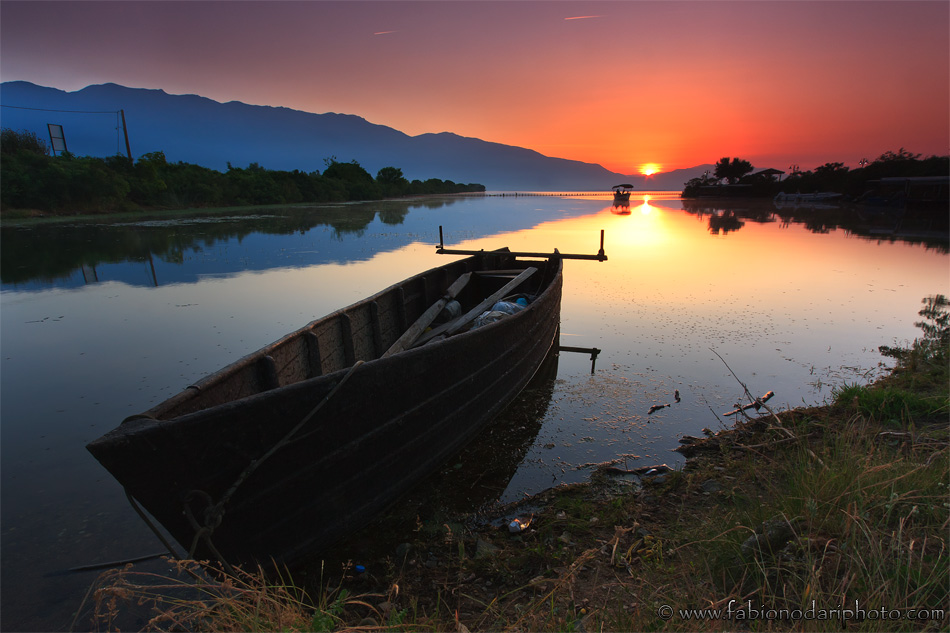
(384,32)
(584,17)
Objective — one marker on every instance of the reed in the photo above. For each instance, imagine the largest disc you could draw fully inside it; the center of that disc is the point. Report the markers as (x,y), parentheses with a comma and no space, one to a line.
(196,596)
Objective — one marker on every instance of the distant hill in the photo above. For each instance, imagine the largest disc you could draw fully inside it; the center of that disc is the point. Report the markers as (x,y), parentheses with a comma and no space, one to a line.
(672,180)
(198,130)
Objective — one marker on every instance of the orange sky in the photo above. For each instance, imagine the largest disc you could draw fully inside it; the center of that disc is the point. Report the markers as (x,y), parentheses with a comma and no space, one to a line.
(617,83)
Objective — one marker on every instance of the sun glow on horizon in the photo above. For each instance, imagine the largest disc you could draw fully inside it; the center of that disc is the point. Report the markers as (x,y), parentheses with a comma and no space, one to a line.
(648,169)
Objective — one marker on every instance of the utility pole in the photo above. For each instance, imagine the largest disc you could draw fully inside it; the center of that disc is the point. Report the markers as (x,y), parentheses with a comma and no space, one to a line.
(125,130)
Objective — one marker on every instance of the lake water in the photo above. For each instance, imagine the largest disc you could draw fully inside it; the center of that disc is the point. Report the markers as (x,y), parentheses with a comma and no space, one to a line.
(101,321)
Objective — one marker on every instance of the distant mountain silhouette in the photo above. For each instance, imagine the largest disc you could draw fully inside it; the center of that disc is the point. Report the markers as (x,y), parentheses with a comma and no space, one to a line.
(198,130)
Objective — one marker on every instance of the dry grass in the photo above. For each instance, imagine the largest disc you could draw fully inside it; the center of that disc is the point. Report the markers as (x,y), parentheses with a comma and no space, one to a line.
(839,516)
(199,597)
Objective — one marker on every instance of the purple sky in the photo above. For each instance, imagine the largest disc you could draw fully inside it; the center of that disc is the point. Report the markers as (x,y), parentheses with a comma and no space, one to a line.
(623,84)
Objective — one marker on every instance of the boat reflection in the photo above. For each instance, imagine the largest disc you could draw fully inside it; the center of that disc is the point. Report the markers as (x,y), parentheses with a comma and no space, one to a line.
(469,483)
(620,208)
(623,208)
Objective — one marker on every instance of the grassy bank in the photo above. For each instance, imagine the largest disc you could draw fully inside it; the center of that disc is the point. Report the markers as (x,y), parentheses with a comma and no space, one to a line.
(825,518)
(33,217)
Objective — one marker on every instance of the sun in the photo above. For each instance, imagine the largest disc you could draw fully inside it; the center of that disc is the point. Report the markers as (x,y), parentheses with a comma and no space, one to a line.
(648,169)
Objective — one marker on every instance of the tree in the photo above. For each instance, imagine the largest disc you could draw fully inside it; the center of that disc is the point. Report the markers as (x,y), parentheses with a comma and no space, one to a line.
(357,182)
(254,185)
(13,142)
(831,177)
(829,169)
(732,170)
(348,172)
(33,179)
(900,156)
(392,181)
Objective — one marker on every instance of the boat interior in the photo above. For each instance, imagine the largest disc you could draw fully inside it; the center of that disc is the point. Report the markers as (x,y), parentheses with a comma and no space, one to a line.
(364,331)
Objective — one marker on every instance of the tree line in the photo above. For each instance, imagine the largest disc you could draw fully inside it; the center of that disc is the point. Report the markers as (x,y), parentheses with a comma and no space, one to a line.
(33,179)
(830,177)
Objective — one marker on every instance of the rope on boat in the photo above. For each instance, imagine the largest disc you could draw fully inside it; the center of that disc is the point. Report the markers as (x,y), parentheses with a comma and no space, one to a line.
(148,522)
(214,514)
(205,531)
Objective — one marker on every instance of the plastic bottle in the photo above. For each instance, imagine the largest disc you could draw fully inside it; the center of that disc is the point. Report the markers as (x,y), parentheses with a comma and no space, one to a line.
(452,310)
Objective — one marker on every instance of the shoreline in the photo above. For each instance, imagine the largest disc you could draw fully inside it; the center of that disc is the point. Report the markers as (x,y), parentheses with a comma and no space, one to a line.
(29,217)
(608,554)
(34,217)
(827,508)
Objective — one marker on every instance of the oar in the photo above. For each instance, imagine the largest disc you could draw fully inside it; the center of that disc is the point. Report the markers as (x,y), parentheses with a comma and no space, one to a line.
(454,326)
(410,335)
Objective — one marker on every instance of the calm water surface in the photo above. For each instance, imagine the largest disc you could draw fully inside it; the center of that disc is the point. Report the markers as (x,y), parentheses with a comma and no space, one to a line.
(101,321)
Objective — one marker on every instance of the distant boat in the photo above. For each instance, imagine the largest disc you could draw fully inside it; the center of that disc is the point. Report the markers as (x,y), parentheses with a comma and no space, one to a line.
(622,193)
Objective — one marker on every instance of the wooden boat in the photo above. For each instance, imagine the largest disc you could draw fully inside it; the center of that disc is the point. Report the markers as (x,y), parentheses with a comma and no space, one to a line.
(290,448)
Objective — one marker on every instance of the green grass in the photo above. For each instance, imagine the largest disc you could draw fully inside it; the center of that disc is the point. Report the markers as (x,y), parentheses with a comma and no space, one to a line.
(871,524)
(889,404)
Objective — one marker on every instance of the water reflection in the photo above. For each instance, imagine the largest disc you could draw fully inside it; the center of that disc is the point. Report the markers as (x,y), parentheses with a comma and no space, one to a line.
(158,252)
(645,208)
(794,299)
(916,226)
(120,251)
(471,481)
(161,252)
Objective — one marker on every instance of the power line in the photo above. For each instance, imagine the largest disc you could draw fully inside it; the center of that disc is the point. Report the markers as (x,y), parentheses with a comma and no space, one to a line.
(120,123)
(49,110)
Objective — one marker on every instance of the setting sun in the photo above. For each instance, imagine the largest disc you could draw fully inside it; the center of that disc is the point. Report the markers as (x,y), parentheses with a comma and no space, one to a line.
(649,169)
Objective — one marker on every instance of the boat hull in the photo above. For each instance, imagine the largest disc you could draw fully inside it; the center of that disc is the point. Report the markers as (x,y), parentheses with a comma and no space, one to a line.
(387,423)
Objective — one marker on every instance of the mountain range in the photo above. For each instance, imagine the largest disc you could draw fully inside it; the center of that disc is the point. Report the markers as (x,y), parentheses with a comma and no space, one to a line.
(198,130)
